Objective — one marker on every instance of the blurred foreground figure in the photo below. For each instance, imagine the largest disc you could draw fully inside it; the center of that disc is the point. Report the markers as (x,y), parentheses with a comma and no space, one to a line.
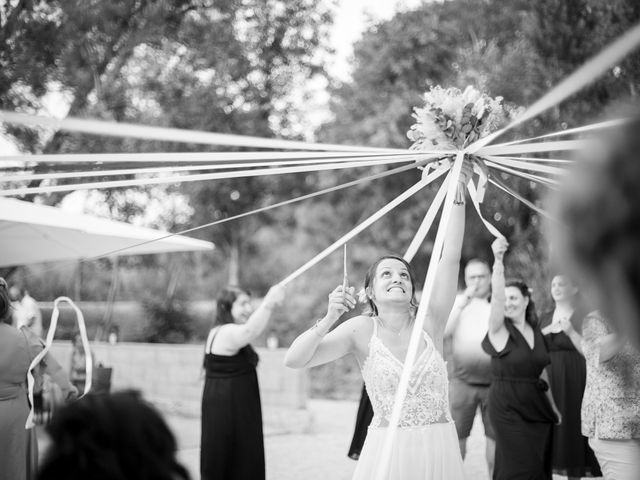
(18,348)
(599,239)
(115,436)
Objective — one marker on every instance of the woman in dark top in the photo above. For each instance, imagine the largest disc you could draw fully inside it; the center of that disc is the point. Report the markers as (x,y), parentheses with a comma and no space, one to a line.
(562,327)
(232,445)
(521,407)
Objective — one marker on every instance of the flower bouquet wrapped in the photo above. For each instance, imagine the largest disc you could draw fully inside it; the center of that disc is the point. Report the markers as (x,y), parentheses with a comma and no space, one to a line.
(452,119)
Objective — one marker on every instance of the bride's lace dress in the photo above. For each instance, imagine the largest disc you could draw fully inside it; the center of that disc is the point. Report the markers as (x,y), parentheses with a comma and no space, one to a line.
(426,445)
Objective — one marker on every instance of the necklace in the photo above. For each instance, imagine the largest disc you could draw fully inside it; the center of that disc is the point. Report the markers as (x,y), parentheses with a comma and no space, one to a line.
(399,331)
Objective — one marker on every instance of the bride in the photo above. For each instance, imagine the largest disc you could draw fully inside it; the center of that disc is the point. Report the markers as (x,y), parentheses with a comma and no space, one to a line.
(426,445)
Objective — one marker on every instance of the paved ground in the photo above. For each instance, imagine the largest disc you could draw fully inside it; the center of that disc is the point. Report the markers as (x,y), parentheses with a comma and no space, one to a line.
(320,454)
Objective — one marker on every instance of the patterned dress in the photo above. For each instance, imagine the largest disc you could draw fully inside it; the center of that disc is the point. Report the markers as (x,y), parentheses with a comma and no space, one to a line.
(426,445)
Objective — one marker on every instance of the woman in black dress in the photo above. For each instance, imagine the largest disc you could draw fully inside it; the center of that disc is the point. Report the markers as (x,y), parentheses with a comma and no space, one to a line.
(232,445)
(562,327)
(521,407)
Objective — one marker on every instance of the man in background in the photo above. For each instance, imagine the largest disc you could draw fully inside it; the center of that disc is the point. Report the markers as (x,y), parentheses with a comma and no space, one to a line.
(469,365)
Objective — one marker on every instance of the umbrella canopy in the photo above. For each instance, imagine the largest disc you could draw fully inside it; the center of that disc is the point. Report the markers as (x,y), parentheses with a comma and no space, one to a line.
(31,233)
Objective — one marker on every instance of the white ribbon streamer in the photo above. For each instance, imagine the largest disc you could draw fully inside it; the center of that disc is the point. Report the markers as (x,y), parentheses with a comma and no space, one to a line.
(192,157)
(587,128)
(206,176)
(425,226)
(131,130)
(557,146)
(581,77)
(548,182)
(473,194)
(538,160)
(221,166)
(519,197)
(49,341)
(534,167)
(369,221)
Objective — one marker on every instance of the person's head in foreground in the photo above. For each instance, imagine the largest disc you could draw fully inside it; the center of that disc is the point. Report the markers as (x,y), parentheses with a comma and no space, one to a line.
(389,280)
(598,236)
(110,436)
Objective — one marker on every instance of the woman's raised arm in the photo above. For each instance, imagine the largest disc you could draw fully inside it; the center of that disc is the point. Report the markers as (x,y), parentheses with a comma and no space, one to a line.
(446,282)
(498,334)
(317,345)
(238,336)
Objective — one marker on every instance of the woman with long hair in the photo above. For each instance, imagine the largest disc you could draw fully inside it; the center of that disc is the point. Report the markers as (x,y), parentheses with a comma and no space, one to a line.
(562,329)
(426,445)
(521,407)
(232,445)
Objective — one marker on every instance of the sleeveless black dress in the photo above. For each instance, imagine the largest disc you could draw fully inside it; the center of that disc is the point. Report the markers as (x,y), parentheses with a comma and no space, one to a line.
(232,446)
(519,410)
(572,456)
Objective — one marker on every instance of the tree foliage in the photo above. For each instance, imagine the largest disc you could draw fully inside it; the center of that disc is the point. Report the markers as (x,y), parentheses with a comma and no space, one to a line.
(231,66)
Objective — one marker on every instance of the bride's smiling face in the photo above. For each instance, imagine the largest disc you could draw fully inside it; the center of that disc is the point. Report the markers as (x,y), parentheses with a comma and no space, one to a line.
(392,282)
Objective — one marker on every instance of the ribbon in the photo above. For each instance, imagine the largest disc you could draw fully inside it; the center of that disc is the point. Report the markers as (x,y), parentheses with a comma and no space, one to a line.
(534,167)
(132,130)
(365,224)
(581,77)
(560,145)
(519,197)
(548,182)
(425,226)
(207,176)
(587,128)
(220,166)
(474,194)
(272,206)
(49,341)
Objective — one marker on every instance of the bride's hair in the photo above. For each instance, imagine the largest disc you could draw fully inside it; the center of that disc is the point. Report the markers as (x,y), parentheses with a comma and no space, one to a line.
(370,306)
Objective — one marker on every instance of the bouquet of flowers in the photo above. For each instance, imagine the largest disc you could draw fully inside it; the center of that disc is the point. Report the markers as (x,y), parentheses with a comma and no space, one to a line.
(452,119)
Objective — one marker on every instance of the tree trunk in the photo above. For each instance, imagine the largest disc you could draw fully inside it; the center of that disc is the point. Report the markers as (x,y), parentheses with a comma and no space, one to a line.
(234,263)
(77,286)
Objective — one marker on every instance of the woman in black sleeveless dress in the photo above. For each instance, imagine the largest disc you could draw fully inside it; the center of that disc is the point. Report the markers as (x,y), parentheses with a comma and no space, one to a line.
(562,327)
(521,407)
(232,445)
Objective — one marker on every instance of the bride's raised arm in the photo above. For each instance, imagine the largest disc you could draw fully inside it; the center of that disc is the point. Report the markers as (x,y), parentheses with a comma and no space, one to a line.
(446,281)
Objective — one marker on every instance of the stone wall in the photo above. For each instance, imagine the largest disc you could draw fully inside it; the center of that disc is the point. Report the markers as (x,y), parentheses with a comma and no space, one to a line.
(171,376)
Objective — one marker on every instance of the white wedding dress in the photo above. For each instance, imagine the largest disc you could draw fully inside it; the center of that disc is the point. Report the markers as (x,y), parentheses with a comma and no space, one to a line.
(426,445)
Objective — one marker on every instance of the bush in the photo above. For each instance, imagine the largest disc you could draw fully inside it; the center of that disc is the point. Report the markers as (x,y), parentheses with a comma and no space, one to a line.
(169,322)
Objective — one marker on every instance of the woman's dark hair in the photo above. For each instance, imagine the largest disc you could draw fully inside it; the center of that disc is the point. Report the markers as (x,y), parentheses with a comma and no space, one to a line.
(224,302)
(115,436)
(530,315)
(369,277)
(5,302)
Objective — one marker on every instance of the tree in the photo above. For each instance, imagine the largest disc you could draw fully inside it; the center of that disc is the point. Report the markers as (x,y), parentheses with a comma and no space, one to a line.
(517,50)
